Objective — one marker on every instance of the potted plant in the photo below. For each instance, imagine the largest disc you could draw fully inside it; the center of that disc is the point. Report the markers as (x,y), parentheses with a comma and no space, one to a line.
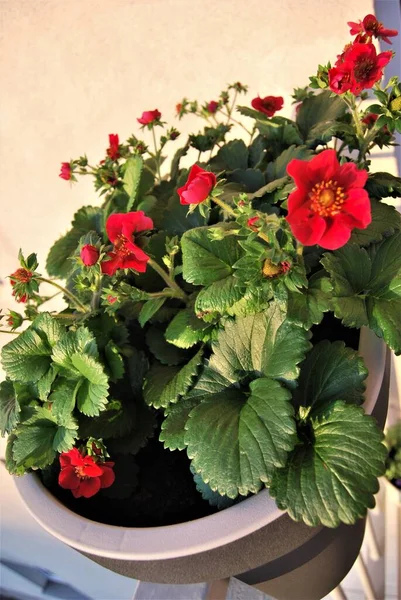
(199,397)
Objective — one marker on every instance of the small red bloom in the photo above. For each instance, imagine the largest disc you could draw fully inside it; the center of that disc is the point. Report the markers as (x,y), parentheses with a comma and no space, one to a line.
(268,105)
(252,223)
(198,186)
(286,266)
(120,228)
(113,150)
(212,107)
(329,200)
(89,255)
(178,108)
(359,70)
(111,299)
(149,116)
(22,275)
(66,171)
(371,27)
(83,475)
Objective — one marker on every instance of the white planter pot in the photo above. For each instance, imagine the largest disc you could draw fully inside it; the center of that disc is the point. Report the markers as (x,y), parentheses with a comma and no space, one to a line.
(253,540)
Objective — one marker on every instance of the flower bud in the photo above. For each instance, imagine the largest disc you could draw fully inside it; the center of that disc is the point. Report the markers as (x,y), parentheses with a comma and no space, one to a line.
(89,255)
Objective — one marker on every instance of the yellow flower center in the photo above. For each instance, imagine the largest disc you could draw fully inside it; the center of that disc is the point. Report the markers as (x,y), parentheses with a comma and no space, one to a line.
(327,198)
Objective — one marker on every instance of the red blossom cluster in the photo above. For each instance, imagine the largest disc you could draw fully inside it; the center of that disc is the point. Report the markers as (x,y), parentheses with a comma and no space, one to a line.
(84,475)
(20,276)
(359,66)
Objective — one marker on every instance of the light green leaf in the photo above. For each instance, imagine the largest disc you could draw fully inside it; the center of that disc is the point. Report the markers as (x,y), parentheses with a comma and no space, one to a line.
(330,372)
(237,442)
(74,342)
(219,296)
(65,436)
(48,328)
(33,447)
(206,261)
(9,408)
(132,177)
(165,385)
(92,394)
(149,309)
(63,400)
(27,357)
(332,476)
(44,385)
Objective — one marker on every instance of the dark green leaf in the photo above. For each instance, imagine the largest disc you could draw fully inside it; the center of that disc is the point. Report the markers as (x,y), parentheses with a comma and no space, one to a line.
(173,427)
(385,220)
(167,353)
(233,155)
(306,308)
(185,329)
(9,408)
(236,442)
(165,385)
(209,495)
(149,309)
(33,447)
(316,115)
(132,177)
(278,168)
(332,476)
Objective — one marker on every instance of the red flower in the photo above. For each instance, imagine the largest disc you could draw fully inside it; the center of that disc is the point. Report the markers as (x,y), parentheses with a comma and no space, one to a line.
(120,228)
(89,255)
(252,223)
(21,275)
(198,186)
(212,107)
(371,27)
(112,150)
(111,299)
(66,171)
(370,119)
(358,68)
(82,475)
(329,200)
(149,116)
(268,105)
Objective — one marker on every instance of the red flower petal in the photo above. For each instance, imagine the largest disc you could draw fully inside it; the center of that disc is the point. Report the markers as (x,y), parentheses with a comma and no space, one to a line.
(76,457)
(336,235)
(358,206)
(198,186)
(114,226)
(108,477)
(90,468)
(323,167)
(109,267)
(68,479)
(134,222)
(137,254)
(131,262)
(306,226)
(349,176)
(89,487)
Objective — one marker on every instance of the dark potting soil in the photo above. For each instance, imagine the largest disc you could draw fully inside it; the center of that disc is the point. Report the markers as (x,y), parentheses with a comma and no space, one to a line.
(156,487)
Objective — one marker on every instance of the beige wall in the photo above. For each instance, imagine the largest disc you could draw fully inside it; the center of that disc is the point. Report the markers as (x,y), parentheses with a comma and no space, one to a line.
(74,71)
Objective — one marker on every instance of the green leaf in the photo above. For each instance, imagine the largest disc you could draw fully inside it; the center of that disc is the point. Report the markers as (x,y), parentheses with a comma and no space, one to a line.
(265,342)
(115,421)
(132,177)
(149,309)
(209,495)
(92,394)
(49,329)
(330,372)
(270,187)
(278,169)
(206,261)
(383,185)
(63,400)
(73,342)
(219,296)
(27,357)
(165,385)
(65,436)
(317,115)
(350,270)
(237,442)
(233,155)
(9,408)
(185,329)
(44,385)
(88,218)
(173,427)
(33,447)
(367,287)
(167,353)
(251,179)
(11,465)
(114,361)
(307,308)
(145,424)
(385,220)
(332,476)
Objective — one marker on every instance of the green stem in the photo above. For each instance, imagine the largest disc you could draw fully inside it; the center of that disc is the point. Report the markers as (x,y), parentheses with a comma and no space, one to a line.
(67,293)
(237,122)
(230,110)
(179,293)
(252,133)
(12,332)
(354,110)
(157,155)
(231,212)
